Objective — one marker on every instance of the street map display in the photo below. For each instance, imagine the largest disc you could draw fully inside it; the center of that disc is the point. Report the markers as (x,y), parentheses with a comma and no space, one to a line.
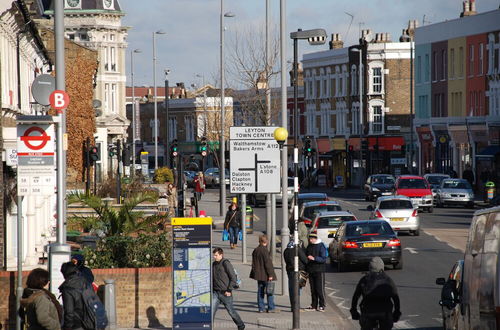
(192,278)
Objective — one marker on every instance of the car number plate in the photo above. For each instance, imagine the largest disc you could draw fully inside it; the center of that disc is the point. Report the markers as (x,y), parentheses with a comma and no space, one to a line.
(372,245)
(332,231)
(397,219)
(386,193)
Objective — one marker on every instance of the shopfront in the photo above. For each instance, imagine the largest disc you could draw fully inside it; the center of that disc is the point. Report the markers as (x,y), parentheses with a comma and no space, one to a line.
(356,176)
(444,153)
(340,173)
(427,152)
(462,152)
(325,162)
(386,154)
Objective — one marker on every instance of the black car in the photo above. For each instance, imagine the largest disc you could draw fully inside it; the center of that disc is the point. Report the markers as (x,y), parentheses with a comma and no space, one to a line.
(357,242)
(379,185)
(451,296)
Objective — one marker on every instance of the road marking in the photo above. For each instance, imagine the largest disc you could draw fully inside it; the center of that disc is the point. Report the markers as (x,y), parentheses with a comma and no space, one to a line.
(412,250)
(403,325)
(351,203)
(454,237)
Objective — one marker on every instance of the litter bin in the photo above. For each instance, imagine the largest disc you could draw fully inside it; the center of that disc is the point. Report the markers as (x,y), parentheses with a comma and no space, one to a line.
(249,220)
(490,190)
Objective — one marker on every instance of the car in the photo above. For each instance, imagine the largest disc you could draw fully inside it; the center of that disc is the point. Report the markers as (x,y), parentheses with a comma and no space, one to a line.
(455,192)
(357,242)
(451,294)
(309,210)
(399,212)
(189,177)
(417,188)
(434,180)
(326,224)
(212,177)
(311,197)
(379,185)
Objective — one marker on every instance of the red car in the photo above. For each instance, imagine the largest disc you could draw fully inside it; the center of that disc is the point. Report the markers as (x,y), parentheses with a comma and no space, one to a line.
(417,188)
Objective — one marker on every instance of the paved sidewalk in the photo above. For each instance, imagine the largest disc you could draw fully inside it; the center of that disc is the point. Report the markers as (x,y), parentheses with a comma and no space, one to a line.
(246,296)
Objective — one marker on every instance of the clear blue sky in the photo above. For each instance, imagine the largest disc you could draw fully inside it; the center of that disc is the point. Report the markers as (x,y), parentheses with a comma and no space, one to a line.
(191,43)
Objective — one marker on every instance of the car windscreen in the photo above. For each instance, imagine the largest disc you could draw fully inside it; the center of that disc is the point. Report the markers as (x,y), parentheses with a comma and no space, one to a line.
(383,180)
(369,229)
(455,184)
(334,221)
(436,179)
(395,205)
(310,212)
(412,184)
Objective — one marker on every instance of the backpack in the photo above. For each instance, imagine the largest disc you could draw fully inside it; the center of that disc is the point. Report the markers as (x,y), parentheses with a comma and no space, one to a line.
(326,249)
(94,313)
(238,279)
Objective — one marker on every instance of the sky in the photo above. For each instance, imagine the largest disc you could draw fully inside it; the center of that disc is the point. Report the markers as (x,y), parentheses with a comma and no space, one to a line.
(190,45)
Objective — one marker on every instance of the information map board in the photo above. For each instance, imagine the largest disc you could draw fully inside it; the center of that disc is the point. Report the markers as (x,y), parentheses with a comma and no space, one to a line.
(192,274)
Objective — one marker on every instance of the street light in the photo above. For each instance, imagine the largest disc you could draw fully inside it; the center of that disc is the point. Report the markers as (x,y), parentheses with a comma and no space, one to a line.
(167,104)
(134,124)
(222,176)
(315,37)
(410,40)
(361,130)
(154,97)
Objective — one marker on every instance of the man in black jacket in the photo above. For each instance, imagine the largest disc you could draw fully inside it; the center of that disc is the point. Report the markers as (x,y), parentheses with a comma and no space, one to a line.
(316,255)
(79,261)
(223,283)
(379,292)
(289,256)
(71,291)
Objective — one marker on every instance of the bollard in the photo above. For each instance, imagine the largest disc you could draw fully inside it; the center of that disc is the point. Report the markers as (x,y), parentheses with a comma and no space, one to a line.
(110,302)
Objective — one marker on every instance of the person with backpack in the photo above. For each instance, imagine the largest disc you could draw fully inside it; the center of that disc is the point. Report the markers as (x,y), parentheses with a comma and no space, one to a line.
(39,307)
(232,224)
(316,255)
(224,281)
(289,256)
(263,272)
(79,261)
(380,305)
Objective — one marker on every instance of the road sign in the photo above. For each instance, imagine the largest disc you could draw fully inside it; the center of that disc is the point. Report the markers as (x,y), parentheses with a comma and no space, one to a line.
(59,99)
(255,160)
(42,88)
(36,158)
(192,274)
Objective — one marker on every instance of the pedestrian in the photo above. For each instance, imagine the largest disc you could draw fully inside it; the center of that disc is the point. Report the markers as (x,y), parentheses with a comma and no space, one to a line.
(39,307)
(380,305)
(71,291)
(172,200)
(232,224)
(289,256)
(224,280)
(468,174)
(316,255)
(199,185)
(79,261)
(263,272)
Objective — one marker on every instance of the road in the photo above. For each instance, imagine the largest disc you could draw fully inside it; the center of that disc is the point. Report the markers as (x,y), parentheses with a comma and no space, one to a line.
(426,257)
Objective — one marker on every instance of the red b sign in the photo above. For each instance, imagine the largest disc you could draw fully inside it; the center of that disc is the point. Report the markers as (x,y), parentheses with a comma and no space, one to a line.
(59,99)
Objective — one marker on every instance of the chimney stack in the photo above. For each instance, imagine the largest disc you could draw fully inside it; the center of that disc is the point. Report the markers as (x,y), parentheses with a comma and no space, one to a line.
(336,41)
(469,8)
(366,35)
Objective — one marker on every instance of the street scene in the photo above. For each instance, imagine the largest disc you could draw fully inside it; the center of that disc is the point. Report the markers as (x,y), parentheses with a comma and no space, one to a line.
(224,164)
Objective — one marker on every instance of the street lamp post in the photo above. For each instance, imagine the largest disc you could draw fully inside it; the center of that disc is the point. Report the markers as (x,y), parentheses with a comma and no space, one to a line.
(222,174)
(134,127)
(361,128)
(155,130)
(315,37)
(410,40)
(167,105)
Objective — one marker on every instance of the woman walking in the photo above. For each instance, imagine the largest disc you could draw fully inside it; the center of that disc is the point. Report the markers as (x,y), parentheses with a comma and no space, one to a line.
(172,200)
(233,224)
(199,185)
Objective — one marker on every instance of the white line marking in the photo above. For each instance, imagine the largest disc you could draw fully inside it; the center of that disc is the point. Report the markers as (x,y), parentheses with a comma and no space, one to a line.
(412,250)
(351,203)
(403,325)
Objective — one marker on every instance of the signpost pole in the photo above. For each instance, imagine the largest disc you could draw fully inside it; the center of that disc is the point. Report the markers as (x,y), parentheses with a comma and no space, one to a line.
(273,225)
(244,227)
(269,230)
(19,290)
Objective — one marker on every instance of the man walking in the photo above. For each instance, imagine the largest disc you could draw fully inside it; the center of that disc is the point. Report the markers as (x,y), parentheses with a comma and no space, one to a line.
(316,255)
(263,273)
(223,283)
(379,293)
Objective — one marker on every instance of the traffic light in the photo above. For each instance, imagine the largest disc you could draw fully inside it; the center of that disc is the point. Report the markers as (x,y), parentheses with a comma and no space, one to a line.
(126,156)
(204,147)
(111,150)
(308,150)
(174,148)
(95,153)
(351,148)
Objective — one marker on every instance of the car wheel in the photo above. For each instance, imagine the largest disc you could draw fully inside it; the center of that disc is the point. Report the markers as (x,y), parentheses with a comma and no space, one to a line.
(398,265)
(416,232)
(430,209)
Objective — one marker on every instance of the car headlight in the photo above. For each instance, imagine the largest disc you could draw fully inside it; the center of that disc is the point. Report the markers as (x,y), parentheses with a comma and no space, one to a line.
(428,196)
(375,189)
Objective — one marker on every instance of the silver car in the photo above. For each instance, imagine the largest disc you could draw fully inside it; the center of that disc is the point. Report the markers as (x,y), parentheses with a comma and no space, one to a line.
(455,192)
(435,180)
(399,212)
(326,224)
(212,177)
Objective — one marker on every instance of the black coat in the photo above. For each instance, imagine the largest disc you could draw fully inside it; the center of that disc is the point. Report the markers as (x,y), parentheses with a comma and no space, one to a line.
(262,265)
(318,251)
(86,273)
(233,219)
(289,256)
(71,291)
(378,291)
(223,276)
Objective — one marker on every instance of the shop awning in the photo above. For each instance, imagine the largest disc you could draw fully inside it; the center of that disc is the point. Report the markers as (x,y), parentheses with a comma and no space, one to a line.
(355,143)
(489,152)
(388,143)
(323,145)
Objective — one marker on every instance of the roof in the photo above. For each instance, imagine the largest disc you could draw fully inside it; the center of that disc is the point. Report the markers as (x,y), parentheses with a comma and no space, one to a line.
(320,202)
(312,195)
(410,177)
(364,222)
(387,198)
(436,174)
(333,213)
(87,5)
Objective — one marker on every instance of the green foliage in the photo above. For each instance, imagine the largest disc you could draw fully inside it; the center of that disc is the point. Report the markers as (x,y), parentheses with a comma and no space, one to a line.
(164,174)
(131,252)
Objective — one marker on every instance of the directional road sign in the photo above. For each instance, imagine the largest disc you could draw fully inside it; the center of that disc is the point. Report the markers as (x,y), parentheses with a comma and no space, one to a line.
(255,160)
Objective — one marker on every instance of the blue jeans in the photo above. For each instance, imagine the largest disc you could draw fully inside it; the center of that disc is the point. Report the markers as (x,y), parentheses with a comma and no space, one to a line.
(261,292)
(233,235)
(219,298)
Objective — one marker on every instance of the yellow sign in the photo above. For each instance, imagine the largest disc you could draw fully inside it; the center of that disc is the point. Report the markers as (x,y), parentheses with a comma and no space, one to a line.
(191,221)
(442,139)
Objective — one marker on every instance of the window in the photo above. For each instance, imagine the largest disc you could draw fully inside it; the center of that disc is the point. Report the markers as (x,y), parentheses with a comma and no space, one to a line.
(481,59)
(334,87)
(452,63)
(106,98)
(341,84)
(113,98)
(112,55)
(471,104)
(106,58)
(461,62)
(189,125)
(325,88)
(419,70)
(172,128)
(443,65)
(377,80)
(355,118)
(471,60)
(377,124)
(427,68)
(435,67)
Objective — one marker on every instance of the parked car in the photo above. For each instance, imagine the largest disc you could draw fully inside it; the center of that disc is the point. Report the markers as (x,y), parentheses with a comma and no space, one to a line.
(379,185)
(418,189)
(357,242)
(452,288)
(310,210)
(434,180)
(327,223)
(311,197)
(478,297)
(399,212)
(455,192)
(212,177)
